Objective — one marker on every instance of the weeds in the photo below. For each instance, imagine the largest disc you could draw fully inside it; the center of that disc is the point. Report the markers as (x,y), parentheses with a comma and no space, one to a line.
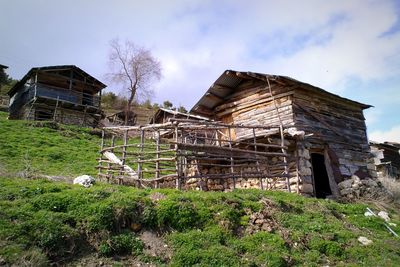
(392,185)
(46,222)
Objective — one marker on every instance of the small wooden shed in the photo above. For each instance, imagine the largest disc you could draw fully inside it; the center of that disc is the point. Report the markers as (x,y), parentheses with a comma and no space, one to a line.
(327,133)
(163,115)
(387,158)
(65,94)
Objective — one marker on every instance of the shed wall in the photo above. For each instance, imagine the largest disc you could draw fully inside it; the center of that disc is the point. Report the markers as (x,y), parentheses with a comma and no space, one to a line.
(338,129)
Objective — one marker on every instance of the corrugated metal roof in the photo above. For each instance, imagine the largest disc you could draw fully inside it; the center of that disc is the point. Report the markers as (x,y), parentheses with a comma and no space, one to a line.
(174,112)
(228,82)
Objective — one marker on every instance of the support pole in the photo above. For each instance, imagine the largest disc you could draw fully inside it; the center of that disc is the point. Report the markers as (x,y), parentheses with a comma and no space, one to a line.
(157,157)
(257,162)
(101,148)
(124,148)
(177,182)
(109,164)
(140,172)
(55,110)
(285,158)
(231,158)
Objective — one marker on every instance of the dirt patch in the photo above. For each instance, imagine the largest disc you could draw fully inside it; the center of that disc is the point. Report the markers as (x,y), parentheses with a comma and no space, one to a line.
(156,196)
(155,246)
(262,220)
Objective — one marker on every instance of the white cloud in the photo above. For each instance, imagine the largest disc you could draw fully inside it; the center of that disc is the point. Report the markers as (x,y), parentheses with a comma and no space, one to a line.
(391,135)
(325,43)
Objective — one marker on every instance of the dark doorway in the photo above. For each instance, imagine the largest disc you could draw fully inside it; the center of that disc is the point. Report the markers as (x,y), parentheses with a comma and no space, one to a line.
(321,179)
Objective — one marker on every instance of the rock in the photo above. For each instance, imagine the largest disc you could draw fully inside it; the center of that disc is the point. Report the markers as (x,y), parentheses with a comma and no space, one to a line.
(192,180)
(259,221)
(305,171)
(384,215)
(345,184)
(84,180)
(365,241)
(265,227)
(369,183)
(356,179)
(346,191)
(393,224)
(136,227)
(368,214)
(307,188)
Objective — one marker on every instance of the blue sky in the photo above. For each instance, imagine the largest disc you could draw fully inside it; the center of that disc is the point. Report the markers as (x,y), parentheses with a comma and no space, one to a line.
(351,48)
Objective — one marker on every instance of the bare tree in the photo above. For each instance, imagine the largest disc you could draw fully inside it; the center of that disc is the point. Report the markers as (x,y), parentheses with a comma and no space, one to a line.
(134,68)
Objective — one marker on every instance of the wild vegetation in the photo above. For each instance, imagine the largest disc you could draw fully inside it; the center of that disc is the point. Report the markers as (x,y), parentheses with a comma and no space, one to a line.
(28,148)
(47,223)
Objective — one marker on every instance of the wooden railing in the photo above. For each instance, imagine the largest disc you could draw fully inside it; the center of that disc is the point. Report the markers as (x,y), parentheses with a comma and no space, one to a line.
(184,149)
(64,95)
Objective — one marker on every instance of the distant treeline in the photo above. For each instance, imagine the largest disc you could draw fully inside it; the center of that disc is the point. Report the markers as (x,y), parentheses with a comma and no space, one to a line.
(111,100)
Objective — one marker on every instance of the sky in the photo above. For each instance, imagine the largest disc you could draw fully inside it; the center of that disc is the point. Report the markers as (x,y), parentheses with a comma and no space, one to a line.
(347,47)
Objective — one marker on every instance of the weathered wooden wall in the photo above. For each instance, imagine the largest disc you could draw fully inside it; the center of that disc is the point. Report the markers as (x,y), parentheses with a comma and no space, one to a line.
(337,127)
(64,116)
(254,105)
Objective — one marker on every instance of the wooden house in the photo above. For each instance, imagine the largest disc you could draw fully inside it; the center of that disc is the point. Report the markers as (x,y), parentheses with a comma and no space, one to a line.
(65,94)
(118,118)
(387,158)
(163,115)
(325,133)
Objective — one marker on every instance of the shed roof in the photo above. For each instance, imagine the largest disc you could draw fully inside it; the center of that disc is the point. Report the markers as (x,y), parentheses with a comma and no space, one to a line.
(174,112)
(229,80)
(93,80)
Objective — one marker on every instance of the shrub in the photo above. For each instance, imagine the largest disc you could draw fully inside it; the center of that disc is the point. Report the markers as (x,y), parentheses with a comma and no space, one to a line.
(179,215)
(122,244)
(392,185)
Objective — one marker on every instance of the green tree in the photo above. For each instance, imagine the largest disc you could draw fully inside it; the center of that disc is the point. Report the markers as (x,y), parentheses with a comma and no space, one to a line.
(182,109)
(109,99)
(147,104)
(6,82)
(167,104)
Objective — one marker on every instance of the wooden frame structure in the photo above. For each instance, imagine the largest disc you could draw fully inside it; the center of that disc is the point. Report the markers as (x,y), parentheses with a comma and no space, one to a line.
(186,154)
(64,94)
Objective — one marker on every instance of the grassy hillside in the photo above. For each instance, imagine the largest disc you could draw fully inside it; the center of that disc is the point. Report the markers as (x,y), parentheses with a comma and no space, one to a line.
(52,223)
(44,222)
(46,148)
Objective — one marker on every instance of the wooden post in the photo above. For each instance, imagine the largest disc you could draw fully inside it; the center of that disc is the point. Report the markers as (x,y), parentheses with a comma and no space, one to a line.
(157,157)
(101,155)
(124,148)
(257,162)
(55,110)
(109,164)
(285,158)
(36,79)
(231,158)
(177,182)
(139,168)
(84,116)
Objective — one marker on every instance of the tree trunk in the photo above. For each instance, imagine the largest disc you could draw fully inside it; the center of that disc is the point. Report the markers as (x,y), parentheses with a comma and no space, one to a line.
(128,108)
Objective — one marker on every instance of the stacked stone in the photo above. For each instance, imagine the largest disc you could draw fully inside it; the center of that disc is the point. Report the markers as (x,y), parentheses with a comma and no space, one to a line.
(305,171)
(355,187)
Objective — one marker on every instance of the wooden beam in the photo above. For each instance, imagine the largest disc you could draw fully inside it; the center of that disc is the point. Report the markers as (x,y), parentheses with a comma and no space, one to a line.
(214,96)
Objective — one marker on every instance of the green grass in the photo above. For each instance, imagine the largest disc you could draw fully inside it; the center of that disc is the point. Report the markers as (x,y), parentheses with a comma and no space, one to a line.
(54,222)
(44,223)
(47,148)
